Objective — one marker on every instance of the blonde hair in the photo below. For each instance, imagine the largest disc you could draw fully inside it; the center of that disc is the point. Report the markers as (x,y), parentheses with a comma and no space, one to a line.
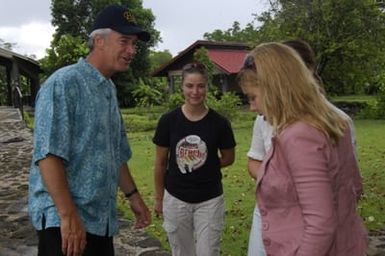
(289,92)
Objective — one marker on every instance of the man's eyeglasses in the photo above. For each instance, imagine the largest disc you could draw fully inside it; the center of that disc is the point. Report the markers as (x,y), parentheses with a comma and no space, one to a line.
(249,63)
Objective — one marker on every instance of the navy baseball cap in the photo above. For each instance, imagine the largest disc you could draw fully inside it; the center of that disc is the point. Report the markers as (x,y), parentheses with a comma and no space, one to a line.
(120,19)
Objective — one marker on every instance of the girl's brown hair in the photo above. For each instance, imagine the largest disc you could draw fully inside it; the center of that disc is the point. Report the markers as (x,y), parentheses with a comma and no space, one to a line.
(193,68)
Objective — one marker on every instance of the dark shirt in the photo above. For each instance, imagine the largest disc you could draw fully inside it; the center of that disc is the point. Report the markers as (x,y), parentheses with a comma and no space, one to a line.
(193,174)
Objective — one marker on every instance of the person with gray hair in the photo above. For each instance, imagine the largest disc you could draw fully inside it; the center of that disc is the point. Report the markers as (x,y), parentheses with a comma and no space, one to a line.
(80,146)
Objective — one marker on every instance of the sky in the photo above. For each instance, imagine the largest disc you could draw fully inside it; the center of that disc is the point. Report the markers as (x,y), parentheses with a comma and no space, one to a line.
(27,23)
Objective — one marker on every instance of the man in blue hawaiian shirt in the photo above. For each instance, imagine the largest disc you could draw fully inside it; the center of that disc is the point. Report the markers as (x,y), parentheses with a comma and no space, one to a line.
(80,146)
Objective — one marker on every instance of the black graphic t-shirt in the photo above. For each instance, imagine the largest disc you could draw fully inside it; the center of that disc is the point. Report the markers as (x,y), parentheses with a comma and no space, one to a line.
(193,174)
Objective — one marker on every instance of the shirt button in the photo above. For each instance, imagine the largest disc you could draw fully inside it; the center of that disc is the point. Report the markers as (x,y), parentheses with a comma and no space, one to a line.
(266,241)
(265,226)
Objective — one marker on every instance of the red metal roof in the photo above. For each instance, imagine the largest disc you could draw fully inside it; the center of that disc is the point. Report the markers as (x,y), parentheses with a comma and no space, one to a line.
(228,60)
(227,56)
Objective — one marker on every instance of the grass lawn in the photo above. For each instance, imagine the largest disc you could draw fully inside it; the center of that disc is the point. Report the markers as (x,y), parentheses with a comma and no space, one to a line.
(354,98)
(371,154)
(239,187)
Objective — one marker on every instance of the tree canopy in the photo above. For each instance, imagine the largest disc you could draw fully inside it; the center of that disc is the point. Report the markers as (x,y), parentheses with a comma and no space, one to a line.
(347,36)
(158,58)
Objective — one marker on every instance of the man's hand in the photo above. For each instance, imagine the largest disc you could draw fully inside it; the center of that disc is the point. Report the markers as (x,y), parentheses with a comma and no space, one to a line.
(73,235)
(139,208)
(71,227)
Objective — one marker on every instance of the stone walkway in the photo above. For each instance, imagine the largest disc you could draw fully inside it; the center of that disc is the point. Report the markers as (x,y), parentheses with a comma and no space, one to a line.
(17,236)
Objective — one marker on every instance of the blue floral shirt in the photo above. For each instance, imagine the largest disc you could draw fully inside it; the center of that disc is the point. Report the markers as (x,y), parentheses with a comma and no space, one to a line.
(77,118)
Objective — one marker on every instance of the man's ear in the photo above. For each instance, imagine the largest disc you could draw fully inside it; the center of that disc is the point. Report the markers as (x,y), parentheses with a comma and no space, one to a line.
(99,41)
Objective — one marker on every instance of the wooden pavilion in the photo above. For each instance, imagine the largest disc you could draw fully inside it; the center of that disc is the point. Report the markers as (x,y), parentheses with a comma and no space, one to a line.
(18,67)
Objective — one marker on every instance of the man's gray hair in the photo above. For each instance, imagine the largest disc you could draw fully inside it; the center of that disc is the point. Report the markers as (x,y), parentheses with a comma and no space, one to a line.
(101,31)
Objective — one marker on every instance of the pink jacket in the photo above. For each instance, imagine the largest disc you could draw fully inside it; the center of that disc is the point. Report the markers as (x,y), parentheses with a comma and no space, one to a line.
(307,194)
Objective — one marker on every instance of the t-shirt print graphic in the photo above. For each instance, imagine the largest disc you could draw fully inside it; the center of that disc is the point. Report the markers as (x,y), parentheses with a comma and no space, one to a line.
(191,153)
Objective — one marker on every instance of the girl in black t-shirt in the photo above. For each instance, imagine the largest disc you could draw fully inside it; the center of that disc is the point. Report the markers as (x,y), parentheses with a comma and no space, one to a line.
(193,143)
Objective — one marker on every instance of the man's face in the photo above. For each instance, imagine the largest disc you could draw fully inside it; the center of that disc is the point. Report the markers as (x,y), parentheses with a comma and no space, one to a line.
(118,51)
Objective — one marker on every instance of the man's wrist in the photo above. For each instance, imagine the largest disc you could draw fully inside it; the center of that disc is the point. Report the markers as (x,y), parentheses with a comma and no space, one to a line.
(131,193)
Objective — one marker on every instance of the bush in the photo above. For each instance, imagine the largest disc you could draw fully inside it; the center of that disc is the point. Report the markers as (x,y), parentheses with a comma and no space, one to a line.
(226,105)
(352,108)
(139,123)
(376,110)
(146,96)
(174,100)
(381,101)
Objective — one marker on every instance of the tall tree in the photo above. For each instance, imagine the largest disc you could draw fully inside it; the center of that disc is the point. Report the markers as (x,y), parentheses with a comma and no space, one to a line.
(158,58)
(347,36)
(249,34)
(67,50)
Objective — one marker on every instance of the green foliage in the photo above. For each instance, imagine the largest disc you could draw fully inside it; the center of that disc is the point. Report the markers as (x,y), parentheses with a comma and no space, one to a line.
(66,51)
(227,104)
(139,122)
(158,58)
(146,96)
(371,155)
(248,35)
(29,119)
(75,17)
(354,98)
(343,33)
(174,100)
(202,55)
(381,102)
(376,109)
(140,119)
(72,18)
(156,110)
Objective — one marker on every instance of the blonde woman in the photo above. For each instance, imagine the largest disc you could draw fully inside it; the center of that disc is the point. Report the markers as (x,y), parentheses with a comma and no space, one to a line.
(261,141)
(309,183)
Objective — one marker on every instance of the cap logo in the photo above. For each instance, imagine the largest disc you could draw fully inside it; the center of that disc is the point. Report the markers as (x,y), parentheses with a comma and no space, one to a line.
(129,17)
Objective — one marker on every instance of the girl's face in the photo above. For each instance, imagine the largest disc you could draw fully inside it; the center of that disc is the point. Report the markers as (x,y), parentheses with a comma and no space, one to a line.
(254,96)
(194,89)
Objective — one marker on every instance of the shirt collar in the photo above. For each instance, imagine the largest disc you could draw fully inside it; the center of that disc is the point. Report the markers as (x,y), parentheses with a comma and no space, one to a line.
(99,78)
